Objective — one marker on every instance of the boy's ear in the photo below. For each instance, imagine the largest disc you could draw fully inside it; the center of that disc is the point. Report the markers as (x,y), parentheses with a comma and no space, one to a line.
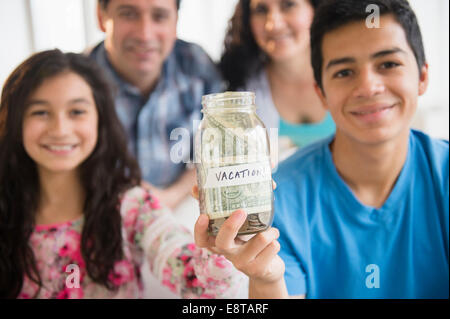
(423,79)
(321,94)
(101,18)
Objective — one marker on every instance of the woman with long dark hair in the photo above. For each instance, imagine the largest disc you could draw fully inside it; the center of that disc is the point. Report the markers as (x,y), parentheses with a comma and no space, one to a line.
(74,222)
(267,51)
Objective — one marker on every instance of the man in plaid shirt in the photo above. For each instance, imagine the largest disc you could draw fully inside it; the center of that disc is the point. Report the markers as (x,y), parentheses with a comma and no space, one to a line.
(159,82)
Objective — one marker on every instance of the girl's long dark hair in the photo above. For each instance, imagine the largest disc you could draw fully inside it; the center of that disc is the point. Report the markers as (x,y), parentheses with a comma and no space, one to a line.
(105,175)
(242,56)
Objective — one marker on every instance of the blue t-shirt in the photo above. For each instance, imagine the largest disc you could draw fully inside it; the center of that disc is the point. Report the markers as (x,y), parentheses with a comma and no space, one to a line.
(336,247)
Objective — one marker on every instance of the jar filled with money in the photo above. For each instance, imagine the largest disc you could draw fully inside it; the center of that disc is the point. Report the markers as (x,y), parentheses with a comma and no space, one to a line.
(232,159)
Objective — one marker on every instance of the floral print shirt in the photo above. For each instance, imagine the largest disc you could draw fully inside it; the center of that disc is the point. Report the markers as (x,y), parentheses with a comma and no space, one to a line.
(149,231)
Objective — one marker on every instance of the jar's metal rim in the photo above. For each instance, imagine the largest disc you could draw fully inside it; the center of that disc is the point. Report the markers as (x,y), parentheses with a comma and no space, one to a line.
(227,96)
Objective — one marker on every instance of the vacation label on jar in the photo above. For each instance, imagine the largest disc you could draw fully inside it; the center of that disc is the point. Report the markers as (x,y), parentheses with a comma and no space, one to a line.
(237,175)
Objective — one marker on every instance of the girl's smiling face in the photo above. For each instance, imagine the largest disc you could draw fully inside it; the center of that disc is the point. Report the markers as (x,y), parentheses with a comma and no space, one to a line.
(60,124)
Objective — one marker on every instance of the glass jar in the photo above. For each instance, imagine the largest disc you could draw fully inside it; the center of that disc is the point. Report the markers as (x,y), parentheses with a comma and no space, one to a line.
(232,159)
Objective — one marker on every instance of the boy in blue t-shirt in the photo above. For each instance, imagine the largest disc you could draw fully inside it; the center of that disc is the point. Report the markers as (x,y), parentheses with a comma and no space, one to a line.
(365,213)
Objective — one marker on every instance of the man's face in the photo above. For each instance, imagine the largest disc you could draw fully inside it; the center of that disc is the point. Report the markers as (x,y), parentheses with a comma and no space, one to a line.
(281,27)
(140,34)
(371,81)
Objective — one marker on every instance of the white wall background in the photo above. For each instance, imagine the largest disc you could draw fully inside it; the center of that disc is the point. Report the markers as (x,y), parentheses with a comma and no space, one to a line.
(28,26)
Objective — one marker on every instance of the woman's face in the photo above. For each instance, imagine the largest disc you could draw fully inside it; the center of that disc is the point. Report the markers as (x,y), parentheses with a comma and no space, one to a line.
(60,123)
(281,27)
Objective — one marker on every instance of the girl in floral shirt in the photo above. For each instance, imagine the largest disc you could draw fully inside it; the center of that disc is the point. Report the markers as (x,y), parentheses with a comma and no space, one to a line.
(73,221)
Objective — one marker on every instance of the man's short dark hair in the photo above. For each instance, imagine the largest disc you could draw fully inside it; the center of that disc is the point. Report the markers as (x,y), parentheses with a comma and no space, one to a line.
(104,3)
(333,14)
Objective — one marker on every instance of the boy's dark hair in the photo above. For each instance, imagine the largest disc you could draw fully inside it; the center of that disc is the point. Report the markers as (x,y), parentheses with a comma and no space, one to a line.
(333,14)
(104,3)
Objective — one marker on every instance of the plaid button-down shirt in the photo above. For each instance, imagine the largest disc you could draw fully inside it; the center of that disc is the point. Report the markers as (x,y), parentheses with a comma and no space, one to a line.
(187,75)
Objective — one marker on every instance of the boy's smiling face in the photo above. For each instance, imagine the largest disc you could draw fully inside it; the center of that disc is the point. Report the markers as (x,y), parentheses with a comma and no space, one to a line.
(371,81)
